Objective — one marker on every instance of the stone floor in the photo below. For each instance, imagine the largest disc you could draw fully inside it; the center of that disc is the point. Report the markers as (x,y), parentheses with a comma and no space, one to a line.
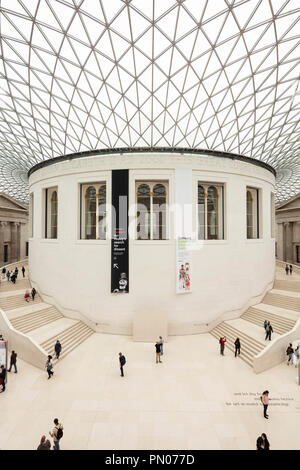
(195,399)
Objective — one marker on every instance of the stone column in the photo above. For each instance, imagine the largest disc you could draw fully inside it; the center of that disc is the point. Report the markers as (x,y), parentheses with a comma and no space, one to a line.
(289,242)
(18,241)
(280,241)
(13,241)
(1,243)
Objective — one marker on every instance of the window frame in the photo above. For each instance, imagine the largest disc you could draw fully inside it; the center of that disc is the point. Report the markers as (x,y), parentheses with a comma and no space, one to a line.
(83,187)
(152,183)
(48,193)
(220,187)
(256,216)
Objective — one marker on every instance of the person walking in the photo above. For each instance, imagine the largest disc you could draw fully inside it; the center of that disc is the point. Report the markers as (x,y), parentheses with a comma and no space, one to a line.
(237,345)
(8,275)
(27,295)
(161,341)
(57,349)
(23,271)
(13,278)
(57,434)
(49,367)
(122,362)
(3,272)
(291,269)
(158,352)
(3,377)
(44,444)
(265,442)
(265,324)
(33,293)
(222,342)
(265,401)
(287,269)
(269,331)
(297,356)
(13,361)
(16,272)
(290,354)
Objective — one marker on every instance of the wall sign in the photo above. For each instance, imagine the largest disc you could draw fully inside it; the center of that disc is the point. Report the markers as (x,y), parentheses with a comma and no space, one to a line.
(119,240)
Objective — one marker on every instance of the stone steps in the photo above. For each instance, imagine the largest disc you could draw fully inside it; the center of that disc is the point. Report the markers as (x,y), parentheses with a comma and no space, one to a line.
(292,286)
(283,301)
(34,320)
(9,286)
(15,301)
(279,324)
(70,338)
(249,346)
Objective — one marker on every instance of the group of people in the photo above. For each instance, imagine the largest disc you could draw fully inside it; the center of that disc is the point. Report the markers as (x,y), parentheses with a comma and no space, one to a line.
(13,362)
(159,350)
(56,434)
(13,274)
(288,269)
(293,355)
(28,294)
(237,346)
(268,329)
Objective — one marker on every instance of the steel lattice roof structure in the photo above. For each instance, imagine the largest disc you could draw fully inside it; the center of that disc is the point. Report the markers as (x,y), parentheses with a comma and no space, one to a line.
(78,75)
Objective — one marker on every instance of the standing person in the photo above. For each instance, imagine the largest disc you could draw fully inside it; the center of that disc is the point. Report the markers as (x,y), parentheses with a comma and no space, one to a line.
(286,269)
(3,378)
(237,345)
(265,401)
(290,354)
(269,331)
(33,293)
(291,269)
(57,434)
(57,349)
(222,342)
(265,324)
(13,361)
(161,341)
(44,444)
(23,271)
(296,356)
(16,272)
(3,272)
(158,352)
(122,362)
(265,442)
(8,275)
(49,367)
(27,295)
(259,443)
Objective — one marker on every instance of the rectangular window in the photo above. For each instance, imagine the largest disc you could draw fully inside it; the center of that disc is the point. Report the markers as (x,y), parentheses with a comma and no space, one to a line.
(252,212)
(93,211)
(5,258)
(152,211)
(51,212)
(210,211)
(272,209)
(31,214)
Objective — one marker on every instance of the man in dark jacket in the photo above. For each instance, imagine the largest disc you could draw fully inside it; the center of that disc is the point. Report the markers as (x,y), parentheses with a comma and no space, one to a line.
(13,361)
(3,377)
(57,349)
(237,345)
(269,331)
(122,361)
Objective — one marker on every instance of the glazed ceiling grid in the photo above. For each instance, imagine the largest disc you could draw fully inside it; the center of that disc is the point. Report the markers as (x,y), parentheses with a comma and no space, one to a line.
(91,74)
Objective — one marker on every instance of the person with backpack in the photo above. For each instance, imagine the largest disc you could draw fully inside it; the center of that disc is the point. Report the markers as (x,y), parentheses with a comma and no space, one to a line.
(49,367)
(158,352)
(265,401)
(122,362)
(290,354)
(57,349)
(57,433)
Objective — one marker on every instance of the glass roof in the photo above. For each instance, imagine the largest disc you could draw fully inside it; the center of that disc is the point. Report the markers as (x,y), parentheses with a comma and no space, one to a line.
(78,75)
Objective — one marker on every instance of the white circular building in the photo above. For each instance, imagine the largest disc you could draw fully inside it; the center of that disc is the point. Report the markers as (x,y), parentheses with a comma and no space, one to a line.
(185,237)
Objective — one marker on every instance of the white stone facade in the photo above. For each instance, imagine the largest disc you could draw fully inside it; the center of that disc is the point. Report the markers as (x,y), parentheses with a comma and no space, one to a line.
(228,275)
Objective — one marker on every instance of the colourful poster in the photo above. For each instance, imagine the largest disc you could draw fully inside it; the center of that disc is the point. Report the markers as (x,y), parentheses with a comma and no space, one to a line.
(183,266)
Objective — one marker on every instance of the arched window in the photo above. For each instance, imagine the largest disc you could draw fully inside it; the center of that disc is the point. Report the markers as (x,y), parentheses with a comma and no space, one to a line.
(90,213)
(249,215)
(151,210)
(51,212)
(212,213)
(201,213)
(53,217)
(143,212)
(159,212)
(102,212)
(93,225)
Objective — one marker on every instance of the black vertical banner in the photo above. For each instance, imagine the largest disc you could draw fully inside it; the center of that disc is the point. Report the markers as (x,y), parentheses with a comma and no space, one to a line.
(119,239)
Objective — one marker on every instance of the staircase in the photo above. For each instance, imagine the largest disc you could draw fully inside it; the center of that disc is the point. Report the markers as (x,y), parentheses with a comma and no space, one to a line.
(280,306)
(40,320)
